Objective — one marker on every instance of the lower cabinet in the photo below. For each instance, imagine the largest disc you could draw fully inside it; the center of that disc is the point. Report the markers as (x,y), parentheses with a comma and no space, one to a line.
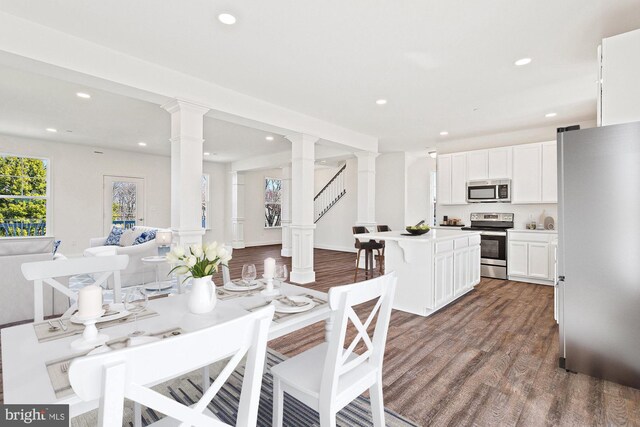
(530,257)
(474,266)
(443,269)
(460,271)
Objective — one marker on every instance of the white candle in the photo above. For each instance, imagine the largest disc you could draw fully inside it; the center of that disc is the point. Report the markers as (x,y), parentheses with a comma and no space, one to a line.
(269,268)
(90,301)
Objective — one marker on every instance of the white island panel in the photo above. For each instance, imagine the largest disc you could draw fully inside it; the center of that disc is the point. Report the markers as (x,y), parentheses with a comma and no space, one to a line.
(433,269)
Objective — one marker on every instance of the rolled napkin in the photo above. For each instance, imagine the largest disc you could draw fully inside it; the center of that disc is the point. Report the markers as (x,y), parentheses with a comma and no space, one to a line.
(269,268)
(90,301)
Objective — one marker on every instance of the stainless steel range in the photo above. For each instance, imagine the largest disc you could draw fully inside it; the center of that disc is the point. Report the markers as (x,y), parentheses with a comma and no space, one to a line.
(493,242)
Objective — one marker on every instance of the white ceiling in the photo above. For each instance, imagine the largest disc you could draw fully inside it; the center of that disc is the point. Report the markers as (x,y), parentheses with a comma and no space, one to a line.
(31,103)
(436,61)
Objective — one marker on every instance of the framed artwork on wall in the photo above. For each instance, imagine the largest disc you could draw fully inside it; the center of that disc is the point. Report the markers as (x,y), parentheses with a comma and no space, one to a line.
(204,192)
(272,202)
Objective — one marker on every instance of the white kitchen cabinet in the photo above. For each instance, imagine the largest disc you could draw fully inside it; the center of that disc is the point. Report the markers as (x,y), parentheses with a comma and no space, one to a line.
(477,165)
(527,174)
(458,178)
(549,172)
(474,267)
(443,270)
(620,87)
(499,163)
(530,256)
(518,258)
(460,273)
(444,179)
(538,260)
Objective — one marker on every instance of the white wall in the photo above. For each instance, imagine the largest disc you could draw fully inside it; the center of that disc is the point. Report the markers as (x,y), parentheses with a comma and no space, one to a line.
(217,188)
(418,195)
(333,231)
(76,186)
(390,190)
(254,232)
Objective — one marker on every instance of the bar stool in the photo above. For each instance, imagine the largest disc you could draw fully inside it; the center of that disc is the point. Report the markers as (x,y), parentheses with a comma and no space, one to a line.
(368,248)
(381,229)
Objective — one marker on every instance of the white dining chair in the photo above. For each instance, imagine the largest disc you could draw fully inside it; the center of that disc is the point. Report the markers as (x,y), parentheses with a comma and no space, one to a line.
(128,373)
(328,377)
(47,271)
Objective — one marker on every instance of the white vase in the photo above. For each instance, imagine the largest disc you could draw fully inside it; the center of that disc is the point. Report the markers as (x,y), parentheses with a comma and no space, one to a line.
(202,298)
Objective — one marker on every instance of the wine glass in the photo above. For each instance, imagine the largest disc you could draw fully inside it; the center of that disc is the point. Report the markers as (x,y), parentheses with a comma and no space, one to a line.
(249,273)
(135,301)
(281,273)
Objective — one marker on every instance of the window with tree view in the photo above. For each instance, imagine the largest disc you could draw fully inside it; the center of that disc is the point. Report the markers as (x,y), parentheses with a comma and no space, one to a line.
(272,201)
(23,196)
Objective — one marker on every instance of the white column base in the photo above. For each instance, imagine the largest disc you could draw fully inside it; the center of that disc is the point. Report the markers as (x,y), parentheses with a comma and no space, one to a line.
(302,247)
(185,237)
(286,239)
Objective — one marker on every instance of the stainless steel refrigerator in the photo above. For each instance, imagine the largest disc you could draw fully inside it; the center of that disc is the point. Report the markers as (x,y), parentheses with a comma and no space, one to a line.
(599,251)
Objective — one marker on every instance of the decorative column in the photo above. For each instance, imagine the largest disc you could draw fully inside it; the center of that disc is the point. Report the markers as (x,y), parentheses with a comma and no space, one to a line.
(186,170)
(366,214)
(285,211)
(237,210)
(302,225)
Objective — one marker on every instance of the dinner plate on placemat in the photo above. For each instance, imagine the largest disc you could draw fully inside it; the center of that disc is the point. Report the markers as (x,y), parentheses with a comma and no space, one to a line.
(293,304)
(239,286)
(114,312)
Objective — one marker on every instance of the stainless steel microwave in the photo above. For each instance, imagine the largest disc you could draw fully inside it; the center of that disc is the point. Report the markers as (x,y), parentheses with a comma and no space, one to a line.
(489,191)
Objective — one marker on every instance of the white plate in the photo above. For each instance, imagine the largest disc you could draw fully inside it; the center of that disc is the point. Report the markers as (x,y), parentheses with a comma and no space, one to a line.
(99,350)
(162,285)
(131,342)
(284,308)
(231,286)
(119,308)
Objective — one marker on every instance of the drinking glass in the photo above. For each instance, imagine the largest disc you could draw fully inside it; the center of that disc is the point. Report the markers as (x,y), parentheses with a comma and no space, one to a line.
(281,273)
(248,273)
(135,301)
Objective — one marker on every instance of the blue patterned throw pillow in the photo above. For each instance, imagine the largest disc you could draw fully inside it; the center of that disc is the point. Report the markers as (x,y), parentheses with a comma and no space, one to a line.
(145,237)
(114,236)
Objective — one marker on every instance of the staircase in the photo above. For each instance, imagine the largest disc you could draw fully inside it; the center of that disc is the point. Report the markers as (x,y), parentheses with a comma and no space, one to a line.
(329,195)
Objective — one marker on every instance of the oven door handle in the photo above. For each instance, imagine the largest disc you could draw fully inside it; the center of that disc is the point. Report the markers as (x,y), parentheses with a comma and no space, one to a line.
(493,233)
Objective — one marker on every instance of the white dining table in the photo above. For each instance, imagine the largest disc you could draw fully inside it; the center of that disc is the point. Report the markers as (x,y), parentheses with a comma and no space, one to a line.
(24,372)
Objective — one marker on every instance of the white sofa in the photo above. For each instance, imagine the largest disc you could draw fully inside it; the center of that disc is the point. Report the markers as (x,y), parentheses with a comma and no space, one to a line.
(16,292)
(136,273)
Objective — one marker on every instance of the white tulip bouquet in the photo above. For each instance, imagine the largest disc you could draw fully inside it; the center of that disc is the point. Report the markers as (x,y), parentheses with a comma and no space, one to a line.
(198,260)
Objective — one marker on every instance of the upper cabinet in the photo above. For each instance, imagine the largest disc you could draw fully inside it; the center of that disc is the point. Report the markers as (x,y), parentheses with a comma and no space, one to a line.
(443,181)
(620,87)
(535,173)
(532,169)
(477,165)
(500,160)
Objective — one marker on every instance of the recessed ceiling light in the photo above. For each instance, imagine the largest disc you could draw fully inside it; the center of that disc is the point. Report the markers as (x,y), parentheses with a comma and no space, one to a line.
(206,153)
(523,61)
(52,130)
(142,144)
(433,154)
(444,133)
(227,18)
(381,101)
(269,138)
(83,95)
(550,114)
(323,161)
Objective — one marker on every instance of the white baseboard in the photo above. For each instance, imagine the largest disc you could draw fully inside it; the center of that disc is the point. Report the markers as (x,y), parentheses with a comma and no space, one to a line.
(336,248)
(267,243)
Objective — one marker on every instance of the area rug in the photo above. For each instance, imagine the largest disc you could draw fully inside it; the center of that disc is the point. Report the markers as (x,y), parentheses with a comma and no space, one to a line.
(188,390)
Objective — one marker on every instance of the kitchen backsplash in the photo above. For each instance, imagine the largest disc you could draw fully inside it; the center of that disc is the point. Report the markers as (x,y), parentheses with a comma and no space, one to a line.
(521,212)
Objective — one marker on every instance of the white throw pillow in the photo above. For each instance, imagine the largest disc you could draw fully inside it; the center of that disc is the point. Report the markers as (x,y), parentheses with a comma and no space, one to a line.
(128,237)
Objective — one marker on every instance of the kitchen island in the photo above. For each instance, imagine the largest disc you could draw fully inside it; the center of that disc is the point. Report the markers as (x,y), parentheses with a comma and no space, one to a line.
(433,269)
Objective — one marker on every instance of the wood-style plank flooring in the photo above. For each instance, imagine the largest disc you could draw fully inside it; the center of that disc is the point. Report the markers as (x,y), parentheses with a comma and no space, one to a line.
(488,359)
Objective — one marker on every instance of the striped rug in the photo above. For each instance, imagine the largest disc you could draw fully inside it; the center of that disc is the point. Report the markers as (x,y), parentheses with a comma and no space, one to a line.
(188,390)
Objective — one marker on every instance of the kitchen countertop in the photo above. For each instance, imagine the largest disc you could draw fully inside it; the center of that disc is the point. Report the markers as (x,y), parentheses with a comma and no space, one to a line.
(537,230)
(432,235)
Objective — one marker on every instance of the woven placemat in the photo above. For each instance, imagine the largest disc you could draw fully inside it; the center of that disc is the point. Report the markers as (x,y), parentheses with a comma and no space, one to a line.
(281,317)
(58,369)
(45,333)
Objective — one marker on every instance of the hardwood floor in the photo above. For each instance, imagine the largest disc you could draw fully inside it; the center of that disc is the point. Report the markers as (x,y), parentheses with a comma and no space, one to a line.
(488,359)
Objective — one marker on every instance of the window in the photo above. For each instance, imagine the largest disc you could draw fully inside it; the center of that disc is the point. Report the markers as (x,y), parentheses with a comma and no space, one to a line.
(204,196)
(272,201)
(24,193)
